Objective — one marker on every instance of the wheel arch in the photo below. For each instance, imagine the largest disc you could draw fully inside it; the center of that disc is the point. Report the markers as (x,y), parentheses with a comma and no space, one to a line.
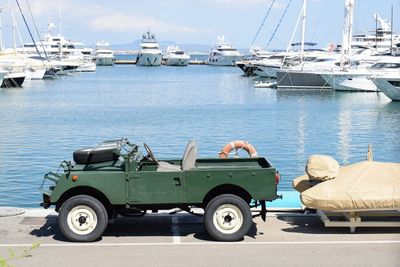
(227,189)
(85,190)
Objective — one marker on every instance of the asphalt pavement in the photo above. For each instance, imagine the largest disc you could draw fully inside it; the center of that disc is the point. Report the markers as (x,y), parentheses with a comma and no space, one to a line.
(285,239)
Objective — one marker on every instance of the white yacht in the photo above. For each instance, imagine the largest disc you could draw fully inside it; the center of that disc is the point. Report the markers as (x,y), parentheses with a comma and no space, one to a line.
(389,85)
(380,39)
(359,79)
(12,61)
(175,57)
(149,53)
(104,56)
(223,54)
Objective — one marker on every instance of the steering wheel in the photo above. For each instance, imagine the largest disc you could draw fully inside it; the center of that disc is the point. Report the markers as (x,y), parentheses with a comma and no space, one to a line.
(150,153)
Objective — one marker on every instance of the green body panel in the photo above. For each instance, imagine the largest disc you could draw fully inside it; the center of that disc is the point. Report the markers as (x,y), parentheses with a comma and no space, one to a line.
(151,187)
(138,183)
(110,183)
(258,183)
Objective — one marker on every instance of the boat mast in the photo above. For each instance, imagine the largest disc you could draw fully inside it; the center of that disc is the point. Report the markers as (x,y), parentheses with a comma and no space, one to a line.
(376,33)
(347,32)
(391,31)
(59,22)
(303,31)
(1,32)
(59,15)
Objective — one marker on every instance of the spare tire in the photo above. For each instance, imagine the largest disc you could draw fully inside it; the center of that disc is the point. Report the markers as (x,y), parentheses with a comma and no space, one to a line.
(91,156)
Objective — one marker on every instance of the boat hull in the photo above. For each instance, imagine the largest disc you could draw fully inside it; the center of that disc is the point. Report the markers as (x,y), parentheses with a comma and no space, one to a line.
(350,82)
(223,60)
(13,80)
(300,80)
(105,61)
(390,87)
(35,74)
(148,60)
(86,67)
(176,61)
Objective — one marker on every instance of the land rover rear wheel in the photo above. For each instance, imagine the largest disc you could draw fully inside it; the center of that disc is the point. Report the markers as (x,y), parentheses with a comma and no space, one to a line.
(82,218)
(227,218)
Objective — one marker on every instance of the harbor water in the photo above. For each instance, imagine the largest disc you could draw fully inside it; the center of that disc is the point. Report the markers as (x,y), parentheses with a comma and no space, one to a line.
(165,107)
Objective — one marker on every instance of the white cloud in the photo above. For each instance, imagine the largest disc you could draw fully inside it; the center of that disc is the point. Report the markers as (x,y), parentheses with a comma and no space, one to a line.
(120,22)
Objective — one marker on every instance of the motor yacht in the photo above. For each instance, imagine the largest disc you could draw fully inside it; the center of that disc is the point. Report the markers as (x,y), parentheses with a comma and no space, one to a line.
(359,79)
(382,39)
(104,56)
(175,57)
(149,53)
(55,45)
(223,54)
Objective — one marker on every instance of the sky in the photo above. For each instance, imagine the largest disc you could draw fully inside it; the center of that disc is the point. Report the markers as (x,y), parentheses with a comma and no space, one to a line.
(194,21)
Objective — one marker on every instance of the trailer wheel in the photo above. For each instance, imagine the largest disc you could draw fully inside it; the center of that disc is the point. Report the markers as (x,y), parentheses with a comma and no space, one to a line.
(82,218)
(227,218)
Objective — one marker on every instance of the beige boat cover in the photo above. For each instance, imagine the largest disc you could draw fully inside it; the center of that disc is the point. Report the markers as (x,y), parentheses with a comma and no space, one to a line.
(361,186)
(301,183)
(322,168)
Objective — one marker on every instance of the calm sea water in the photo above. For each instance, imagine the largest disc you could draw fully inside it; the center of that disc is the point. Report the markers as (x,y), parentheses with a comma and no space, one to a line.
(43,122)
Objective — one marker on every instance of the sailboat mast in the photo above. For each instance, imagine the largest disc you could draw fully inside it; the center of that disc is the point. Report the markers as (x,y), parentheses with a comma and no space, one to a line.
(376,33)
(347,32)
(391,31)
(59,15)
(1,32)
(303,30)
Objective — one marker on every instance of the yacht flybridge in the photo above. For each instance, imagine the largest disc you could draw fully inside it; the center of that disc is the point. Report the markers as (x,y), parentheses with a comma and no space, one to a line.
(149,53)
(223,54)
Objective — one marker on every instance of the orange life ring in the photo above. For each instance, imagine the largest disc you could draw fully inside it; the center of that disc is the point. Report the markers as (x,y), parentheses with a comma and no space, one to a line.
(238,144)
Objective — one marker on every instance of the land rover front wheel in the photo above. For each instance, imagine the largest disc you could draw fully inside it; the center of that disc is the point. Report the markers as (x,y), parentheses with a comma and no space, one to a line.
(82,218)
(227,218)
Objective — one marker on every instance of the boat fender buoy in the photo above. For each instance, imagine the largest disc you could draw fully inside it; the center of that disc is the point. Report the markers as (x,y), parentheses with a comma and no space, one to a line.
(237,145)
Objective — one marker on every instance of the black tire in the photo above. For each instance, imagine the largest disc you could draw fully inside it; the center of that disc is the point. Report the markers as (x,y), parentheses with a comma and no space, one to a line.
(76,213)
(230,208)
(92,156)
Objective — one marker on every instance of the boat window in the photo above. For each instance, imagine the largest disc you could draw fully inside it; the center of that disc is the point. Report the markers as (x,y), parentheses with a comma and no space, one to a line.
(226,49)
(179,52)
(150,47)
(395,83)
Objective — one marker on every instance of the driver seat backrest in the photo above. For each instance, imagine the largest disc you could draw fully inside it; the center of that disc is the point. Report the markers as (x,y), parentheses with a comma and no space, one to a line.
(190,156)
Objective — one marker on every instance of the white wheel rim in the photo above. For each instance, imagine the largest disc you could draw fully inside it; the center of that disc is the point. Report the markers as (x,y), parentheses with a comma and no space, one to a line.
(228,219)
(82,220)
